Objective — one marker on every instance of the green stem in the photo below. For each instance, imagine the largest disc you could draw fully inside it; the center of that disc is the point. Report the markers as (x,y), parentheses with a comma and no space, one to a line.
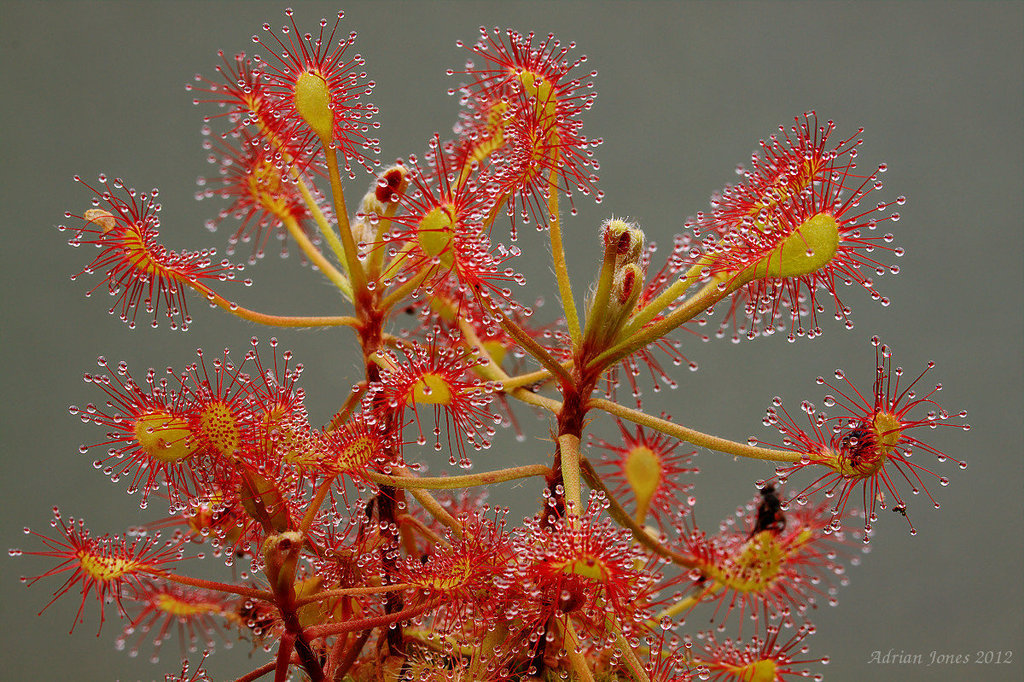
(421,528)
(656,305)
(493,214)
(633,663)
(710,294)
(599,305)
(456,482)
(537,376)
(271,320)
(572,647)
(531,398)
(314,209)
(488,370)
(528,343)
(435,509)
(569,447)
(572,317)
(378,252)
(684,605)
(329,271)
(399,293)
(348,244)
(696,437)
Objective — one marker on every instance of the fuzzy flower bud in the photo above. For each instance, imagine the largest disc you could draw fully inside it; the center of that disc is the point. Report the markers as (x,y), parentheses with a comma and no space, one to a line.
(626,238)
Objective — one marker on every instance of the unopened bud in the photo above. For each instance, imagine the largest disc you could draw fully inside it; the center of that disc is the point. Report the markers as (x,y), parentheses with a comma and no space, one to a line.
(391,184)
(626,238)
(628,283)
(281,553)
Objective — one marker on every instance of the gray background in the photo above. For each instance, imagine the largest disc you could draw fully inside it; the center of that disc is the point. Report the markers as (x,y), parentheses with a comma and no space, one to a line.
(686,90)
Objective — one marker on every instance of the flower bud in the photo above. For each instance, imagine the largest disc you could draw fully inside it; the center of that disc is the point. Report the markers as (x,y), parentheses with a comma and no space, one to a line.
(381,199)
(626,288)
(281,553)
(391,184)
(627,239)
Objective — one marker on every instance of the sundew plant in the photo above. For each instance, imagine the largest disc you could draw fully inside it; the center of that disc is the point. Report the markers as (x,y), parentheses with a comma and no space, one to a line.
(342,555)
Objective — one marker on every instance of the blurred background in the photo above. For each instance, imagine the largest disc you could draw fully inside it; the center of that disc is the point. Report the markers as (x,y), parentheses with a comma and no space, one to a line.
(686,90)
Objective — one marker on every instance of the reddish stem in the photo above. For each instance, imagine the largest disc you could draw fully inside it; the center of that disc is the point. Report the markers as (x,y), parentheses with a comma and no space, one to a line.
(284,655)
(318,631)
(258,672)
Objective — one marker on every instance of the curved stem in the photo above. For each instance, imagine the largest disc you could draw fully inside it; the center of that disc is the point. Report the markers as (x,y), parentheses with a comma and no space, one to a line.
(378,249)
(405,288)
(346,409)
(656,305)
(271,320)
(490,369)
(311,204)
(531,398)
(314,505)
(696,437)
(415,525)
(636,668)
(437,511)
(684,605)
(259,672)
(528,343)
(572,647)
(318,216)
(492,215)
(530,378)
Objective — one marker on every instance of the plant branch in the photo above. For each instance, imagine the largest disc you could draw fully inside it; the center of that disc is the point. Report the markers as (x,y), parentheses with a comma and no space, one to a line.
(696,437)
(455,482)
